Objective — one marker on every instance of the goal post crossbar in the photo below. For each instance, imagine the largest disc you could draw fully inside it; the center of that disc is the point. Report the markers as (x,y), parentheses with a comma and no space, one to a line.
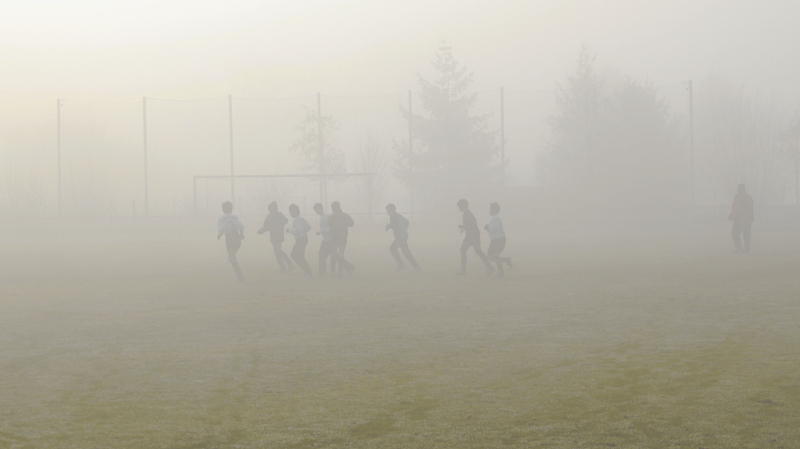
(294,175)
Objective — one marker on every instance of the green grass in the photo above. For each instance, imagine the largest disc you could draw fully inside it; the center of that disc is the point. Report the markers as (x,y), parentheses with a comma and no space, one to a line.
(677,345)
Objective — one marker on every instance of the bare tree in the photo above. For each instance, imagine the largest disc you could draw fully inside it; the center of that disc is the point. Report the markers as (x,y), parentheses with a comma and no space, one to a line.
(744,143)
(371,158)
(791,145)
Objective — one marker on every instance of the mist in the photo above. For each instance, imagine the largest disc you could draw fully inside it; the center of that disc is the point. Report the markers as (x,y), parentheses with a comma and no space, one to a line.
(562,223)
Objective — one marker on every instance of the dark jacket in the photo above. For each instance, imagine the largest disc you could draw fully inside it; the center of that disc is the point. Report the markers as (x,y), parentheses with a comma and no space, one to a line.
(399,226)
(339,222)
(742,209)
(274,224)
(471,225)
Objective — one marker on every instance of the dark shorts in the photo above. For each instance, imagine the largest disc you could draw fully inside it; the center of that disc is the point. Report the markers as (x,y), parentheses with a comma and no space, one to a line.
(276,238)
(233,242)
(496,247)
(472,239)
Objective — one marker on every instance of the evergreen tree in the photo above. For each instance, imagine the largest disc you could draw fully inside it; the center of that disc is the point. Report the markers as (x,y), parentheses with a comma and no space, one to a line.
(453,152)
(577,129)
(615,147)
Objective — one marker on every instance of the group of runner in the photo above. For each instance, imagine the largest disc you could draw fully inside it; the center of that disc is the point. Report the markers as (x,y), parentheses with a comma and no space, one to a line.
(334,228)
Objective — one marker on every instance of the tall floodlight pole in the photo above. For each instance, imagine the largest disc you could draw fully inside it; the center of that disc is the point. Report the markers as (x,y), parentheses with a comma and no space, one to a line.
(230,130)
(58,150)
(322,190)
(503,135)
(144,135)
(410,155)
(691,140)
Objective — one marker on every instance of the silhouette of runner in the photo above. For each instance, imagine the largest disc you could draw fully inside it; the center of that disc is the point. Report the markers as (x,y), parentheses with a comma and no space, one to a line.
(497,240)
(232,227)
(326,247)
(742,217)
(339,223)
(274,224)
(472,239)
(299,230)
(399,226)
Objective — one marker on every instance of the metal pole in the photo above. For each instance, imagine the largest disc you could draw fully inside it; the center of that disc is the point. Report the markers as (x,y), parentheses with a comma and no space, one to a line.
(691,140)
(503,135)
(144,133)
(194,193)
(410,156)
(58,149)
(321,152)
(230,128)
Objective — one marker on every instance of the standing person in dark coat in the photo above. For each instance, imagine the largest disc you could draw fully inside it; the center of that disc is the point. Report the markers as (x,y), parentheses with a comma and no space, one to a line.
(742,217)
(274,224)
(399,226)
(230,226)
(469,226)
(339,222)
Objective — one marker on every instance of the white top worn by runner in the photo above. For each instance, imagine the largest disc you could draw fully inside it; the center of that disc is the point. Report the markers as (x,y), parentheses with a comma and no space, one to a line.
(300,227)
(496,228)
(229,224)
(324,229)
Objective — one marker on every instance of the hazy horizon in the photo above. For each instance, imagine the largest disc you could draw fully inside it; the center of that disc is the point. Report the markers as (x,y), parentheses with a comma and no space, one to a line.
(277,49)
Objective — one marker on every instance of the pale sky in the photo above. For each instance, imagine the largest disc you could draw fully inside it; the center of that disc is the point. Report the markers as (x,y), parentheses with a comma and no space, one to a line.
(367,47)
(97,53)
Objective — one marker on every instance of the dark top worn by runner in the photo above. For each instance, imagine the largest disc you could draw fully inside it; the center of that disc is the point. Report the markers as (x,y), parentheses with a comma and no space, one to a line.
(274,224)
(471,226)
(399,226)
(339,222)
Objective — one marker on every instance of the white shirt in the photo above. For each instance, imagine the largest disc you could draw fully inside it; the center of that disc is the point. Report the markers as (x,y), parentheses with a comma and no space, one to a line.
(496,228)
(300,227)
(229,224)
(324,229)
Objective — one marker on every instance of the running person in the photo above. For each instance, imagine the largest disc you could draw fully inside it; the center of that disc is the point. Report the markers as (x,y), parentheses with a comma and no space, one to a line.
(325,248)
(497,239)
(472,239)
(274,224)
(339,223)
(232,227)
(299,230)
(399,226)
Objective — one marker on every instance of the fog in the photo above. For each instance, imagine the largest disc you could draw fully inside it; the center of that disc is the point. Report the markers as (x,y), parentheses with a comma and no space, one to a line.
(626,143)
(102,59)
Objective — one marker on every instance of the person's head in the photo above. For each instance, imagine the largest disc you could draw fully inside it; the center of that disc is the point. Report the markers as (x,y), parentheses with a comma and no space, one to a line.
(294,210)
(318,208)
(391,209)
(494,208)
(462,205)
(227,207)
(741,188)
(273,207)
(336,207)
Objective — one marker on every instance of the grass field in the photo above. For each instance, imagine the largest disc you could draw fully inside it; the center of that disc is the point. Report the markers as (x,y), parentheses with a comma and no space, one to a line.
(658,341)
